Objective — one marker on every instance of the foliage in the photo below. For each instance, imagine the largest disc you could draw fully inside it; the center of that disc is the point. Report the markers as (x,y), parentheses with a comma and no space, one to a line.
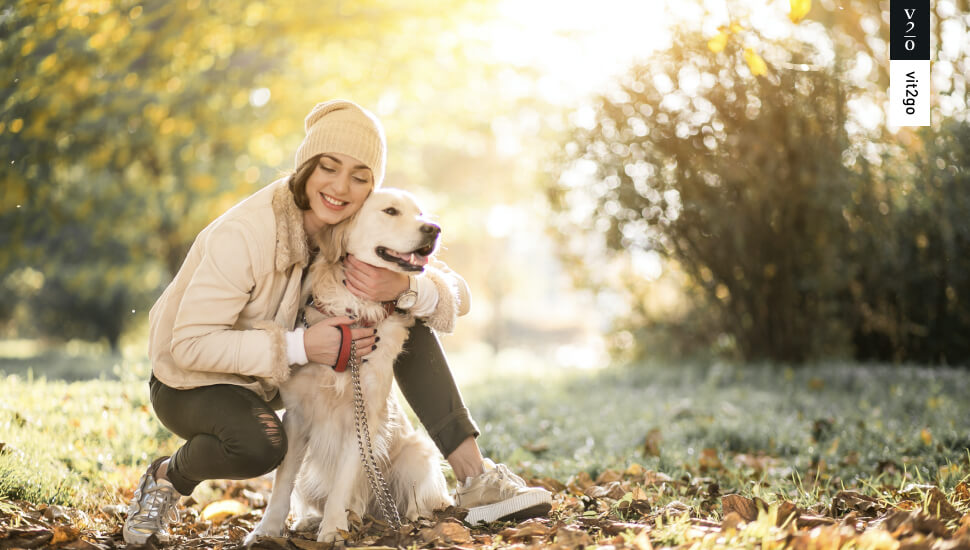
(910,288)
(125,127)
(738,180)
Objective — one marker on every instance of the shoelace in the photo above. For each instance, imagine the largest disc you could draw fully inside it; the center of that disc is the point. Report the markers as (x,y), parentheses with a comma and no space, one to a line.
(508,484)
(504,472)
(159,505)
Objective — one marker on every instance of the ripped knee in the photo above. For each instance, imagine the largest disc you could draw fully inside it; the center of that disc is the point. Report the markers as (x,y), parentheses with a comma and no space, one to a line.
(268,454)
(272,429)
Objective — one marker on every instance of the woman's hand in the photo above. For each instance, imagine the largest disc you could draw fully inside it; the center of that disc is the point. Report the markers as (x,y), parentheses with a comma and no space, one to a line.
(322,340)
(373,283)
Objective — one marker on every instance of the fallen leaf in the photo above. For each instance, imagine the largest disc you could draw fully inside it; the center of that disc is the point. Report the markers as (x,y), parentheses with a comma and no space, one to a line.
(527,529)
(938,506)
(907,505)
(548,483)
(612,490)
(448,532)
(220,510)
(617,527)
(742,506)
(579,483)
(571,537)
(27,538)
(787,513)
(846,501)
(608,476)
(962,492)
(709,460)
(807,521)
(651,443)
(634,470)
(65,533)
(902,524)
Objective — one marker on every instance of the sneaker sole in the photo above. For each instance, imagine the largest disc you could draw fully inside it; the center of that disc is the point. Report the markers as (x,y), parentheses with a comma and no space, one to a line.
(141,538)
(516,508)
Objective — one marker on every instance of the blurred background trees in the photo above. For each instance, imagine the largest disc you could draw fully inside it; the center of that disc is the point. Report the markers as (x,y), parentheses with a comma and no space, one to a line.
(735,191)
(127,126)
(799,225)
(738,180)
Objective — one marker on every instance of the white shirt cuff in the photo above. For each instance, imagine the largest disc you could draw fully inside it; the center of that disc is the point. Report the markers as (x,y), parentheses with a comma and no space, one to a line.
(295,352)
(427,297)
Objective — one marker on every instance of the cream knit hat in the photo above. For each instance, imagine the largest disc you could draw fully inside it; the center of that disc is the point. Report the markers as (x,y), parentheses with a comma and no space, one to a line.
(341,126)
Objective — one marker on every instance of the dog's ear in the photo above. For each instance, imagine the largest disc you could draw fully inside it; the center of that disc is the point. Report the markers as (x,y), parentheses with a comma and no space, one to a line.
(332,240)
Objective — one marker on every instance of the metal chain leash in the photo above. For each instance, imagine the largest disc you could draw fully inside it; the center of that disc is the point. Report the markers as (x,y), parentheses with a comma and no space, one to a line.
(374,476)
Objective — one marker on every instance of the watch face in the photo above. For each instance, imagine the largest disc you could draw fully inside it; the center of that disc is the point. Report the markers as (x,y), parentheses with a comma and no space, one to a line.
(407,300)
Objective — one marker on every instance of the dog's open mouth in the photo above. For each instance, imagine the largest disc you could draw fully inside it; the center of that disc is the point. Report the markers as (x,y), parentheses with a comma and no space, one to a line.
(409,261)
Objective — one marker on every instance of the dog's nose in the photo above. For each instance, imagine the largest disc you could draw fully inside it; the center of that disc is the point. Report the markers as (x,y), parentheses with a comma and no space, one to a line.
(430,229)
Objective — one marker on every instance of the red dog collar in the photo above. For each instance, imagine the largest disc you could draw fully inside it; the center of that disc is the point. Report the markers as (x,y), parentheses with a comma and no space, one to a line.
(344,356)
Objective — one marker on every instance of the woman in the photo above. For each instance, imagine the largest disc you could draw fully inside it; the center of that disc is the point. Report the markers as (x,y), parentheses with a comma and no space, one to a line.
(222,336)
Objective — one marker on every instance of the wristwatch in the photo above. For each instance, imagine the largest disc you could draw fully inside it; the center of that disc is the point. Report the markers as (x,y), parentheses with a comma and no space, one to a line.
(409,297)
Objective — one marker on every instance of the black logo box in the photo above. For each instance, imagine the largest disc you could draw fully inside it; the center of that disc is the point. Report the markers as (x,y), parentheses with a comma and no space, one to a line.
(909,29)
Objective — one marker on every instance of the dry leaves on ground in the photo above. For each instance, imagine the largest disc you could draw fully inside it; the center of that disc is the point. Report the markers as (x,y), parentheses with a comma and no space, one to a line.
(631,509)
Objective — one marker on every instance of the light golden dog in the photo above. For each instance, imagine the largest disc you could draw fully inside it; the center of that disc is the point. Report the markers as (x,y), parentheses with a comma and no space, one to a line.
(322,461)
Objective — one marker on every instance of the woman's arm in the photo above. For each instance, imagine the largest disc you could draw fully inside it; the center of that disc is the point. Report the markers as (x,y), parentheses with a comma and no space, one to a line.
(203,336)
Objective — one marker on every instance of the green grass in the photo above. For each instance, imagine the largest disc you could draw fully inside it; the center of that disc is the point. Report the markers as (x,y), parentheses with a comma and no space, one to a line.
(79,443)
(805,432)
(797,432)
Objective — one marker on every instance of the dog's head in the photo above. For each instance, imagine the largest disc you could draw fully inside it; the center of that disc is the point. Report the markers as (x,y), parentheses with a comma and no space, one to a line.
(391,231)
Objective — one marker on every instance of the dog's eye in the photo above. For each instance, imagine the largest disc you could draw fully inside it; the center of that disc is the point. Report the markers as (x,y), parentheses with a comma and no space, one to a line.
(391,211)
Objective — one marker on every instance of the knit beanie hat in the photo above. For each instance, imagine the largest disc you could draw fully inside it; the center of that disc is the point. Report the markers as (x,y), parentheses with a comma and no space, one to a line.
(341,126)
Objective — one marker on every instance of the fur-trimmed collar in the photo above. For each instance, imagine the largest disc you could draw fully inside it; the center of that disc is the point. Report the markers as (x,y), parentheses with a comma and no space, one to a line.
(291,240)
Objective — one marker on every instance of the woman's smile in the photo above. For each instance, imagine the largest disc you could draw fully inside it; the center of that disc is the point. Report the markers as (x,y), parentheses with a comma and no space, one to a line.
(332,202)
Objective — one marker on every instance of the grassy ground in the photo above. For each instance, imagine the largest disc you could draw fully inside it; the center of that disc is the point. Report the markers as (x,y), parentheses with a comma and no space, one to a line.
(756,426)
(777,433)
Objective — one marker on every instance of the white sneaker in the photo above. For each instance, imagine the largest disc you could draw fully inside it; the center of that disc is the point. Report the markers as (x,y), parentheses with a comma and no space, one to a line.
(498,494)
(152,508)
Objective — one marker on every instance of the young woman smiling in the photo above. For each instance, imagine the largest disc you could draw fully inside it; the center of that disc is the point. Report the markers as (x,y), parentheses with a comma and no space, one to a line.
(222,334)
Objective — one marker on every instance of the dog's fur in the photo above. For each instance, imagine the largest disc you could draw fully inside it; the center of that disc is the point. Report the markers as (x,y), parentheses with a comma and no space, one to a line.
(322,460)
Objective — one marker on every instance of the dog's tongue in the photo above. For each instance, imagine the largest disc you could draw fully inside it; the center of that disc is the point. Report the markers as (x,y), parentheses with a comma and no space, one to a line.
(417,259)
(412,258)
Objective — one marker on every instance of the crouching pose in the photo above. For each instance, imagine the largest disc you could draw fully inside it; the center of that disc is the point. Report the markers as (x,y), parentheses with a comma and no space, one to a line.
(224,337)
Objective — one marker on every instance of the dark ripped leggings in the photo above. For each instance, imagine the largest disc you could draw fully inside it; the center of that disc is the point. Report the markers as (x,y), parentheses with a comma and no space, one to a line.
(231,433)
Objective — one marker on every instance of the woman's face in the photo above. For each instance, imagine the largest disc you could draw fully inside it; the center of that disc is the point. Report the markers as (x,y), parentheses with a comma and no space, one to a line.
(336,189)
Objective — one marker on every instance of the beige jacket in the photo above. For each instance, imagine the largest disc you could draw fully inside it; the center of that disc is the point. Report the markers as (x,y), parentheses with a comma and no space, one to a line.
(223,318)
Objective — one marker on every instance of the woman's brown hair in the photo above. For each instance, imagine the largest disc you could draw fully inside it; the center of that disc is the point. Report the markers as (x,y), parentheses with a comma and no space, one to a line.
(297,182)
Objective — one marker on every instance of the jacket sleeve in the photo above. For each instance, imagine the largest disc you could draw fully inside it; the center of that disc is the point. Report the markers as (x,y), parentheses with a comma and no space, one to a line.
(204,337)
(454,297)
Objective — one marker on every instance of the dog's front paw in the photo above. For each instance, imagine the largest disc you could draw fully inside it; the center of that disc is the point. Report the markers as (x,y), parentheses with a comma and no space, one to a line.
(329,535)
(262,531)
(330,538)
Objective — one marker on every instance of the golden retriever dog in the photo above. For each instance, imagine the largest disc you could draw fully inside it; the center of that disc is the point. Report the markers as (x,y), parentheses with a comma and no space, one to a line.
(323,462)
